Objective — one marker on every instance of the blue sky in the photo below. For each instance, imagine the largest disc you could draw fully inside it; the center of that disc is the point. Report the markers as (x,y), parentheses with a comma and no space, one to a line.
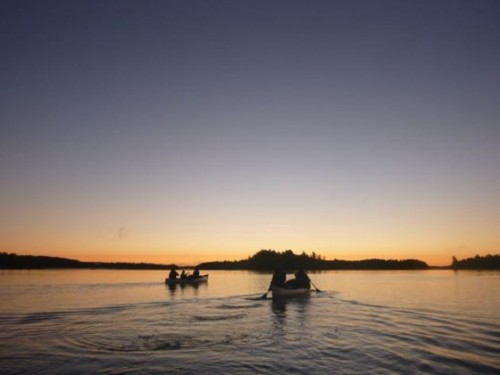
(198,130)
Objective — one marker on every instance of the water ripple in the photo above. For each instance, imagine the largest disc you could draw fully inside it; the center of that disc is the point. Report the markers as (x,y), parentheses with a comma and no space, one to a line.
(217,318)
(320,334)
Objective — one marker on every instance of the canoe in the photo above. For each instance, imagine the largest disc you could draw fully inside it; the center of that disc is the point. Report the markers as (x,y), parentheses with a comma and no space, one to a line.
(286,292)
(188,280)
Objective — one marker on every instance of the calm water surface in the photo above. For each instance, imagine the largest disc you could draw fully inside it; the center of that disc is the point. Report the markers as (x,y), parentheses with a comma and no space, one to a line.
(104,321)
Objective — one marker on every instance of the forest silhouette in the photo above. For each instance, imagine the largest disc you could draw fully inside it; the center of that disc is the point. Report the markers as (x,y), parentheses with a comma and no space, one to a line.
(266,260)
(488,262)
(14,261)
(263,260)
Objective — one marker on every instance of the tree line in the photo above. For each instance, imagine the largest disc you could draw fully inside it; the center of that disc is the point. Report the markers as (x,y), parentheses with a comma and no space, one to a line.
(263,260)
(266,260)
(14,261)
(487,262)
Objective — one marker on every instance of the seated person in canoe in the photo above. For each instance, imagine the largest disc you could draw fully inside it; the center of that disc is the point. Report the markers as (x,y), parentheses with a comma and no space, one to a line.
(301,280)
(173,274)
(279,278)
(196,273)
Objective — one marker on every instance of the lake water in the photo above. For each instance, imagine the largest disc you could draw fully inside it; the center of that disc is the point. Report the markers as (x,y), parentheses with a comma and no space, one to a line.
(107,321)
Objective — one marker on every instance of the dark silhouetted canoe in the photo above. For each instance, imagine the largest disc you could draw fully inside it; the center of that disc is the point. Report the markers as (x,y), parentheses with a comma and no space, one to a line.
(287,292)
(187,280)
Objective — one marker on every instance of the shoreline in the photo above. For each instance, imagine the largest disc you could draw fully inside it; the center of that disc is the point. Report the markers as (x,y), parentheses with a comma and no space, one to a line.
(263,261)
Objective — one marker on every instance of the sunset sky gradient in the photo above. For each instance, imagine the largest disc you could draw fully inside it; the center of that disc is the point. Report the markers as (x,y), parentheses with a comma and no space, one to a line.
(189,131)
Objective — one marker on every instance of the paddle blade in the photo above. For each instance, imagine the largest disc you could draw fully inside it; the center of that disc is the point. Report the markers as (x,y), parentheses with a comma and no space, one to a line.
(316,288)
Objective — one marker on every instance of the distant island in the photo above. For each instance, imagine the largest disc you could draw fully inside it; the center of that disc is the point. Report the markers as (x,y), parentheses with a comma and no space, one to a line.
(266,260)
(14,261)
(263,260)
(488,262)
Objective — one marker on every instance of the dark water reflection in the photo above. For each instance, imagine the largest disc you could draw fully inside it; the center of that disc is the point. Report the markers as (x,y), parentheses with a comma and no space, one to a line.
(175,289)
(146,327)
(299,304)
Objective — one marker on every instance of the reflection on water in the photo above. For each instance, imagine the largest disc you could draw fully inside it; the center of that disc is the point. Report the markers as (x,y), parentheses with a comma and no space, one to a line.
(175,288)
(279,305)
(363,323)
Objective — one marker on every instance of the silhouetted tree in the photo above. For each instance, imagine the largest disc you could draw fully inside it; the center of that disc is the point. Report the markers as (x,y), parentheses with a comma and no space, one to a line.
(14,261)
(488,262)
(266,260)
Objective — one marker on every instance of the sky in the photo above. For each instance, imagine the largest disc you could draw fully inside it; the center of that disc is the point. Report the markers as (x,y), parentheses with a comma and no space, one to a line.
(189,131)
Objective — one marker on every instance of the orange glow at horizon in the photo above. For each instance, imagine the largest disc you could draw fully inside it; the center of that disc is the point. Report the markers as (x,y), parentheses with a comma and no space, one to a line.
(213,144)
(191,258)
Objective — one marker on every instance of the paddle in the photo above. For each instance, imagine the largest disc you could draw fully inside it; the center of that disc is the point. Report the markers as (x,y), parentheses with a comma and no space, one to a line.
(315,287)
(264,296)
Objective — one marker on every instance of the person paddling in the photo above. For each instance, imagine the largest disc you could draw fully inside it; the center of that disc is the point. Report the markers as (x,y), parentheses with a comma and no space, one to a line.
(173,274)
(196,273)
(301,280)
(279,278)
